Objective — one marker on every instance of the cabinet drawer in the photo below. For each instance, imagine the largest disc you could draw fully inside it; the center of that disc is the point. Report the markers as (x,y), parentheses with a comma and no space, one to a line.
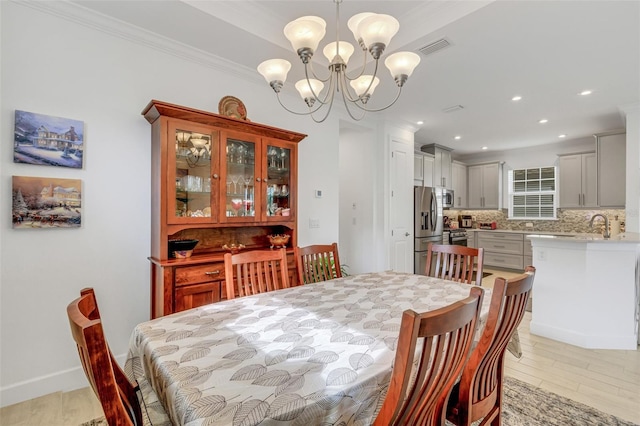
(528,251)
(510,261)
(499,236)
(199,274)
(501,246)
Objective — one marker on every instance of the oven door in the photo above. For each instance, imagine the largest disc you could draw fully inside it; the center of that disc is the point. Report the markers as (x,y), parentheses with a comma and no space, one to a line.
(459,239)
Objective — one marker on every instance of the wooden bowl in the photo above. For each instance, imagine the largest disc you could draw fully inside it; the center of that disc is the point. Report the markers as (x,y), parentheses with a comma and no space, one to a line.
(278,240)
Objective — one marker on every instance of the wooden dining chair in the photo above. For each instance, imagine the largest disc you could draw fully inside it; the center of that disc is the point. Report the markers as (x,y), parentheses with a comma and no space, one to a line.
(317,263)
(455,263)
(254,272)
(116,393)
(417,393)
(478,395)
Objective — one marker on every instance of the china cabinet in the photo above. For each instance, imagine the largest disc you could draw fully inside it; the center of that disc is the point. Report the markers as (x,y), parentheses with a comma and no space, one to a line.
(218,180)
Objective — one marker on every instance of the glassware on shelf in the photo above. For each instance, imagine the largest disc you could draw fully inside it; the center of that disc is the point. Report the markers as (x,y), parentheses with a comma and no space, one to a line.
(236,205)
(284,191)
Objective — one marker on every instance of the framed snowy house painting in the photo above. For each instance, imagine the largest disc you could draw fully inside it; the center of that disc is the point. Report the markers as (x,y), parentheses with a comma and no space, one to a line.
(46,202)
(47,140)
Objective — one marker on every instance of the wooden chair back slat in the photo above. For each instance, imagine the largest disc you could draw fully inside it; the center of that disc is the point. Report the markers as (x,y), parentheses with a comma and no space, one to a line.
(255,272)
(417,397)
(455,263)
(479,393)
(317,263)
(116,393)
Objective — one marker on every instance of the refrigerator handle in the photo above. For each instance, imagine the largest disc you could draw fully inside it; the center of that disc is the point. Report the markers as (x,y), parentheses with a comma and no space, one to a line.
(434,210)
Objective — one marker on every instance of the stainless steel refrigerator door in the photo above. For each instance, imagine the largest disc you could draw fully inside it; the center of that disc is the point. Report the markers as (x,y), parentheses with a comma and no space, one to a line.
(420,256)
(427,212)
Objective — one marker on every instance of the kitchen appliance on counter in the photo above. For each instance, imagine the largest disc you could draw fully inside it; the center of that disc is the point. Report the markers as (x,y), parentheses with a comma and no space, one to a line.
(428,223)
(488,225)
(466,221)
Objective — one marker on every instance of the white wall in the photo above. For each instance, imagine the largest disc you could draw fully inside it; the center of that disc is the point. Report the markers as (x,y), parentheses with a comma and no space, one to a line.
(358,150)
(55,66)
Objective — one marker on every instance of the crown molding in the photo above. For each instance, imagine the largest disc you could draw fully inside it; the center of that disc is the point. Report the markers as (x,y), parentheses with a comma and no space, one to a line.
(78,14)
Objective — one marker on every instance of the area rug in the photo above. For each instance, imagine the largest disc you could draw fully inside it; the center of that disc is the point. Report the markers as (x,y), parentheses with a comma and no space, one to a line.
(527,405)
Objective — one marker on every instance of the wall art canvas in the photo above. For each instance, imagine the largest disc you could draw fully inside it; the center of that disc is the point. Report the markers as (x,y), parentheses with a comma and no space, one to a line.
(47,140)
(40,202)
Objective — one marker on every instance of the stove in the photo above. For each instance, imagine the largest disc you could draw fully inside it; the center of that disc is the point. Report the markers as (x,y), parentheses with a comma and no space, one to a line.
(458,237)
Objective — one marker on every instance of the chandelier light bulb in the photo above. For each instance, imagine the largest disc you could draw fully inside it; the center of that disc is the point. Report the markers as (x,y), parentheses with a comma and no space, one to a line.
(361,84)
(275,72)
(305,33)
(305,87)
(401,65)
(346,50)
(353,23)
(377,31)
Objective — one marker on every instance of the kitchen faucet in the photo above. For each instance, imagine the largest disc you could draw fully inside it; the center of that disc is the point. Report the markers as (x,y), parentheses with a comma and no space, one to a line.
(606,224)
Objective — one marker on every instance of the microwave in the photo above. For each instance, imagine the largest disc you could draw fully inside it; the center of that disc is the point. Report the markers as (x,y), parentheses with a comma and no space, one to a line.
(447,198)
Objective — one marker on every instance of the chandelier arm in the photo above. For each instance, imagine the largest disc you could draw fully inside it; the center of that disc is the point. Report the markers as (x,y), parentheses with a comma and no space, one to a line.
(317,98)
(295,112)
(346,94)
(364,66)
(330,103)
(346,104)
(313,73)
(383,108)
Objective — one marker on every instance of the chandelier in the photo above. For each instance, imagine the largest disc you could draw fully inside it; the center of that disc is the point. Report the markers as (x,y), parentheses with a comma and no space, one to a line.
(193,148)
(372,31)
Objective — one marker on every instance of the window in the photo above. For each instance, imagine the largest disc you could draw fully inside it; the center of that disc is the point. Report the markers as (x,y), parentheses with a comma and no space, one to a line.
(532,193)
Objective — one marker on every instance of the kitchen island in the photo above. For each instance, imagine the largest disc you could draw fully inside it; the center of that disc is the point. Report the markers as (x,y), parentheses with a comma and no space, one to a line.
(587,289)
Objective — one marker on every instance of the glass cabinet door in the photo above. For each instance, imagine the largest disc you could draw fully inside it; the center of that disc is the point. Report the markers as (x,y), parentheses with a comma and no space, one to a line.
(242,199)
(278,182)
(193,178)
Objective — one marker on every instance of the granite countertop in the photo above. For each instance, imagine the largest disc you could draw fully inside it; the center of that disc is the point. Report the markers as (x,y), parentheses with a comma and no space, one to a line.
(625,237)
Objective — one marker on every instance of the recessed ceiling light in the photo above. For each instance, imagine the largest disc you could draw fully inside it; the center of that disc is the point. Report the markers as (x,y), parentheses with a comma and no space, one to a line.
(420,123)
(585,93)
(458,137)
(485,147)
(562,136)
(544,120)
(516,98)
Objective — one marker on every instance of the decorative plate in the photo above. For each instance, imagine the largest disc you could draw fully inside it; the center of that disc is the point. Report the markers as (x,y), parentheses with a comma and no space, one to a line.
(232,107)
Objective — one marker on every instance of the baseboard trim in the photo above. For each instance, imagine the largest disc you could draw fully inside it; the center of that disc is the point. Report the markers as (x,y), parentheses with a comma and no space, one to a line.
(62,381)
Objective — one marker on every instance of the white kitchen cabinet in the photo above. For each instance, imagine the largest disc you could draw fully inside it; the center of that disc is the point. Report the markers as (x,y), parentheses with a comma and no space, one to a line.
(441,165)
(612,149)
(578,177)
(423,169)
(484,186)
(459,184)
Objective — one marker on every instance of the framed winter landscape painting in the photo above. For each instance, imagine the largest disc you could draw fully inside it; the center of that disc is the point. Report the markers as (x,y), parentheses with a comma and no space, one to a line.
(46,202)
(47,140)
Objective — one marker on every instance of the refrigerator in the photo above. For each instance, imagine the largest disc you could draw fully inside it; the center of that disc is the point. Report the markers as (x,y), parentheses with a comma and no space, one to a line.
(427,217)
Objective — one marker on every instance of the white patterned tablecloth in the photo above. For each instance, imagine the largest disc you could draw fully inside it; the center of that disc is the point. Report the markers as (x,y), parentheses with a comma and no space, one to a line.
(316,354)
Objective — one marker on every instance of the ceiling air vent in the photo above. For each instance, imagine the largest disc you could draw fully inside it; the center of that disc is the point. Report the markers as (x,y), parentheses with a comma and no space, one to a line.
(434,47)
(453,108)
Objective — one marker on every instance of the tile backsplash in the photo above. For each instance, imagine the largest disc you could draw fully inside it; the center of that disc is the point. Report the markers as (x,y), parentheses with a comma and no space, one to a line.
(568,220)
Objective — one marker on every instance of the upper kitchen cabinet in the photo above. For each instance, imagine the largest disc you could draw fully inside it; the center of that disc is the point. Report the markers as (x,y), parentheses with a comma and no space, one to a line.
(578,180)
(485,182)
(459,184)
(423,169)
(441,164)
(612,148)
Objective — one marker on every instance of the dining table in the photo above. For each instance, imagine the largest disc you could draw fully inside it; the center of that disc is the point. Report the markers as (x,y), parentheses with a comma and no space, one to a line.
(309,355)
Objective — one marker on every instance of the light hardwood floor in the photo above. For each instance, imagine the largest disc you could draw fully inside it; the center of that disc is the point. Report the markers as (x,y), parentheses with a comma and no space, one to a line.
(605,379)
